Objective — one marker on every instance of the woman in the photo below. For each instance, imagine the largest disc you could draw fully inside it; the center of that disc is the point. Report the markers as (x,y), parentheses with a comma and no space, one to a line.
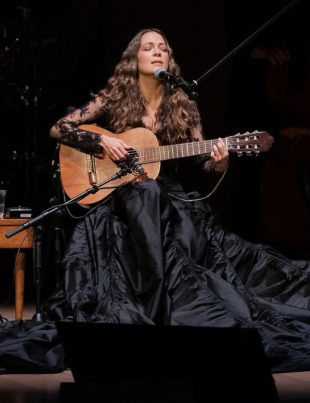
(134,97)
(148,254)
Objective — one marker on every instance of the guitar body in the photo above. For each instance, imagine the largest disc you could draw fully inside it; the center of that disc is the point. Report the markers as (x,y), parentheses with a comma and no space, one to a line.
(78,170)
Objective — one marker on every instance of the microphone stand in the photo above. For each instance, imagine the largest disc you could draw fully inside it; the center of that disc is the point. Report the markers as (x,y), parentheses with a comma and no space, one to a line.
(37,250)
(190,88)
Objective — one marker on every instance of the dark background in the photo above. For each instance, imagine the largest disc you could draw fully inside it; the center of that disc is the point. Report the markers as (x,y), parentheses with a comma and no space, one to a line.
(53,54)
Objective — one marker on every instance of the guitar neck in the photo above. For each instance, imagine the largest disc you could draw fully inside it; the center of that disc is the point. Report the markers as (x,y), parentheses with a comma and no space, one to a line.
(168,152)
(247,143)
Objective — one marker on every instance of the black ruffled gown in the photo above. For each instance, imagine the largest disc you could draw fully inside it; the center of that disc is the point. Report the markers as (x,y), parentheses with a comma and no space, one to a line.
(144,256)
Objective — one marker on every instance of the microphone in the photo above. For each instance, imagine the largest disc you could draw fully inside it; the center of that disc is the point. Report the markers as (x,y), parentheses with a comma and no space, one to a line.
(177,82)
(134,164)
(164,75)
(131,164)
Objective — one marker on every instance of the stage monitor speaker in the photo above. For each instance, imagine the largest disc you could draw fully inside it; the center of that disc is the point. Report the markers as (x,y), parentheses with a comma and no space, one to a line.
(143,363)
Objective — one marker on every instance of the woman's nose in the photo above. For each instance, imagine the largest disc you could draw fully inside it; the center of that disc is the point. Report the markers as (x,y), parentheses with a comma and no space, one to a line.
(157,51)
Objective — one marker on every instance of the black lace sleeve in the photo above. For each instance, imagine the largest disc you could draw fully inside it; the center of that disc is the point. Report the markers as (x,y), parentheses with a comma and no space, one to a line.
(68,132)
(71,135)
(205,163)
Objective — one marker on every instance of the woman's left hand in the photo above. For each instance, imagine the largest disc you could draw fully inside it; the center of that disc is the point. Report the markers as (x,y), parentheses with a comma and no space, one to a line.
(219,156)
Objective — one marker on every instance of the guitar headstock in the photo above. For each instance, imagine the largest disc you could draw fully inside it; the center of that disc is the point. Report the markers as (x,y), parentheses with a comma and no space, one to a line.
(250,143)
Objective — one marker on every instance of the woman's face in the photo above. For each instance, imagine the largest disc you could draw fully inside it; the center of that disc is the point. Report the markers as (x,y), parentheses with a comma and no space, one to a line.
(153,53)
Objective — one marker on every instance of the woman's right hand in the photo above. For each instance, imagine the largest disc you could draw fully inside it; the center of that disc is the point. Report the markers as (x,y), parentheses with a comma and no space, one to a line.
(115,148)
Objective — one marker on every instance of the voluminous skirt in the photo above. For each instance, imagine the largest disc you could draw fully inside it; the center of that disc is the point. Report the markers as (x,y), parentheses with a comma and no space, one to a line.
(144,256)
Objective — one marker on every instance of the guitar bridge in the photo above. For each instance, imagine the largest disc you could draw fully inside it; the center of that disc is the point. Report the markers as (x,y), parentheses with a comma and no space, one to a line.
(91,169)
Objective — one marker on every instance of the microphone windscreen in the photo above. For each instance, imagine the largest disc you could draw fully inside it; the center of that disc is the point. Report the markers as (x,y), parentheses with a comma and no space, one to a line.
(158,72)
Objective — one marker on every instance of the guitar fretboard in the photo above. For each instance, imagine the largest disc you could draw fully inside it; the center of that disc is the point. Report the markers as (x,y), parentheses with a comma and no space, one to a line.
(161,153)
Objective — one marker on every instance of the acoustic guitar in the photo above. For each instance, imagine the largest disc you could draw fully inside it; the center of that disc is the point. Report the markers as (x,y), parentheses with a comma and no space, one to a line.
(79,171)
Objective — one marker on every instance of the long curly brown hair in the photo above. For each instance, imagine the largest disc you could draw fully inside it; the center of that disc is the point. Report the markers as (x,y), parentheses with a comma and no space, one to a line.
(125,105)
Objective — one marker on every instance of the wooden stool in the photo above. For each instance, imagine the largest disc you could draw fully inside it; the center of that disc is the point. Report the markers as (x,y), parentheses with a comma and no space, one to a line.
(23,240)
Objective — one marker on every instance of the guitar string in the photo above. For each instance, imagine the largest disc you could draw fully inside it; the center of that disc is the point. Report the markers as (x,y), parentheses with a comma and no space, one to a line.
(173,151)
(158,153)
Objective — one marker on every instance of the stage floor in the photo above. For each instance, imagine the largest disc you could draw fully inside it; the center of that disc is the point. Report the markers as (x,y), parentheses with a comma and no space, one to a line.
(293,387)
